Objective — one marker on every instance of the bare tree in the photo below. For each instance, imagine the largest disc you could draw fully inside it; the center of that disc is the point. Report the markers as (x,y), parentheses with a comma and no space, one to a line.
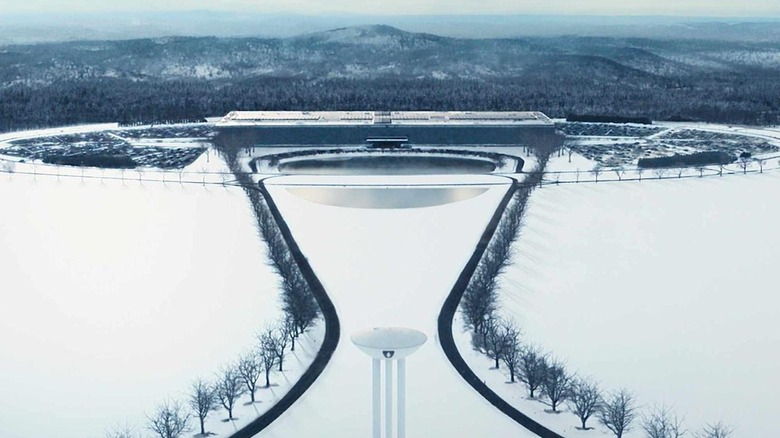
(170,420)
(596,171)
(662,423)
(203,400)
(715,430)
(585,400)
(479,337)
(502,336)
(249,369)
(513,348)
(618,412)
(570,151)
(680,171)
(556,385)
(660,172)
(7,166)
(619,171)
(640,171)
(289,330)
(761,163)
(744,162)
(280,346)
(122,431)
(297,300)
(480,300)
(701,170)
(276,248)
(532,368)
(229,388)
(493,340)
(267,352)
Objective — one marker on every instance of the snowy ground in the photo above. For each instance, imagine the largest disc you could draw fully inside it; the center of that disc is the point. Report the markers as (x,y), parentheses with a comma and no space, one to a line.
(661,287)
(613,144)
(19,135)
(658,286)
(390,267)
(118,294)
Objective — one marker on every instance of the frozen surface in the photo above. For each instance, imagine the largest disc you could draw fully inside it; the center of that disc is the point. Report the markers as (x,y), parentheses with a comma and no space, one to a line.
(388,267)
(116,295)
(663,287)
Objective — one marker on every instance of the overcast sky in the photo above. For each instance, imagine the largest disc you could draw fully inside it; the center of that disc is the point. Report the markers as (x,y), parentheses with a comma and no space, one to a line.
(751,8)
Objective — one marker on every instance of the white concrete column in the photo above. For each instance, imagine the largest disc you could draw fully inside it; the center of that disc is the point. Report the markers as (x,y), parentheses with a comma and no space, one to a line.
(388,399)
(401,397)
(376,403)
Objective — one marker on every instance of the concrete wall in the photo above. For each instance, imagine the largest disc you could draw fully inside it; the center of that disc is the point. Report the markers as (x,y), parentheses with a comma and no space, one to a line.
(356,135)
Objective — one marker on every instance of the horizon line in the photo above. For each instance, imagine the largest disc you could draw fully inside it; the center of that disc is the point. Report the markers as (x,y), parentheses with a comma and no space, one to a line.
(344,14)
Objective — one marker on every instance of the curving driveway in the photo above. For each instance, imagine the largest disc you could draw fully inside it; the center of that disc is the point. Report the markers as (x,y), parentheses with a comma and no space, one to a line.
(390,267)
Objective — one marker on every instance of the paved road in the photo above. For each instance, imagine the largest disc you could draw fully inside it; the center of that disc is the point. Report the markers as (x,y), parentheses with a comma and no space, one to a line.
(390,267)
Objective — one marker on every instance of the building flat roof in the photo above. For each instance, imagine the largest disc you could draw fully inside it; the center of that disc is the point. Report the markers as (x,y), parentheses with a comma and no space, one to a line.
(404,118)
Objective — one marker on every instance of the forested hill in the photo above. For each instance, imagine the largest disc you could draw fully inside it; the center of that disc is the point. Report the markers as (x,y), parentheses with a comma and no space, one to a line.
(381,67)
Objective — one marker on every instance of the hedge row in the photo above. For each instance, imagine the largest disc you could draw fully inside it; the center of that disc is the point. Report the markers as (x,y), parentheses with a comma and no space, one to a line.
(695,159)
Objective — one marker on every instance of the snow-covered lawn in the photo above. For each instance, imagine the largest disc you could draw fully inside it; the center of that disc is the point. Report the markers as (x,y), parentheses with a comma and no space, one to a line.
(666,288)
(19,135)
(117,295)
(390,267)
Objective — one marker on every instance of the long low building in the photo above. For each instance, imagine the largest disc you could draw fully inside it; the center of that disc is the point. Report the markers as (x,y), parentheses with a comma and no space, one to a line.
(385,128)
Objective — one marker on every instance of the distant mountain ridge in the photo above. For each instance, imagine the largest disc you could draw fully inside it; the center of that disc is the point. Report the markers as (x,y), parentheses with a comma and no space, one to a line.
(37,28)
(373,51)
(381,35)
(383,67)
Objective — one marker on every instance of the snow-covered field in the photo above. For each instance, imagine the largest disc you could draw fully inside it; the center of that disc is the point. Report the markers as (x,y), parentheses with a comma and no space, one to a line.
(117,295)
(662,287)
(389,267)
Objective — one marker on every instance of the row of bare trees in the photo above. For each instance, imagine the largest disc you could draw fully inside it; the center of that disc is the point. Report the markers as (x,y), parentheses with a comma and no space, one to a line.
(547,380)
(298,301)
(545,377)
(172,418)
(744,163)
(480,299)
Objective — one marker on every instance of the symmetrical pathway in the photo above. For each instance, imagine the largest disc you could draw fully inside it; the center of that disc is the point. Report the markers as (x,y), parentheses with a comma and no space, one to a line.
(390,267)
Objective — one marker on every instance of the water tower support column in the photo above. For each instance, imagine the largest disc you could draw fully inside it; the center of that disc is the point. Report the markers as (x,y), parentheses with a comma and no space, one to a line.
(389,398)
(402,398)
(377,398)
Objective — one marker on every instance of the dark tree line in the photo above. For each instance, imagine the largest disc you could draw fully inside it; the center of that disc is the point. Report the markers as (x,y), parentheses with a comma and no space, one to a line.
(745,97)
(595,118)
(299,304)
(694,159)
(480,300)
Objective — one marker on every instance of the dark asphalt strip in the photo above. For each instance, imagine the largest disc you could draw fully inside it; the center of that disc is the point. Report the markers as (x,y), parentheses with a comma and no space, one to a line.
(332,330)
(448,314)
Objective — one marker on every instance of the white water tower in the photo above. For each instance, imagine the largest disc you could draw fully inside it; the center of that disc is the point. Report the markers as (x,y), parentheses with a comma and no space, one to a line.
(391,345)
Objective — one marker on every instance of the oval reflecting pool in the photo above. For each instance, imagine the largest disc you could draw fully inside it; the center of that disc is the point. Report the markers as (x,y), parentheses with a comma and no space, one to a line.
(386,197)
(387,165)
